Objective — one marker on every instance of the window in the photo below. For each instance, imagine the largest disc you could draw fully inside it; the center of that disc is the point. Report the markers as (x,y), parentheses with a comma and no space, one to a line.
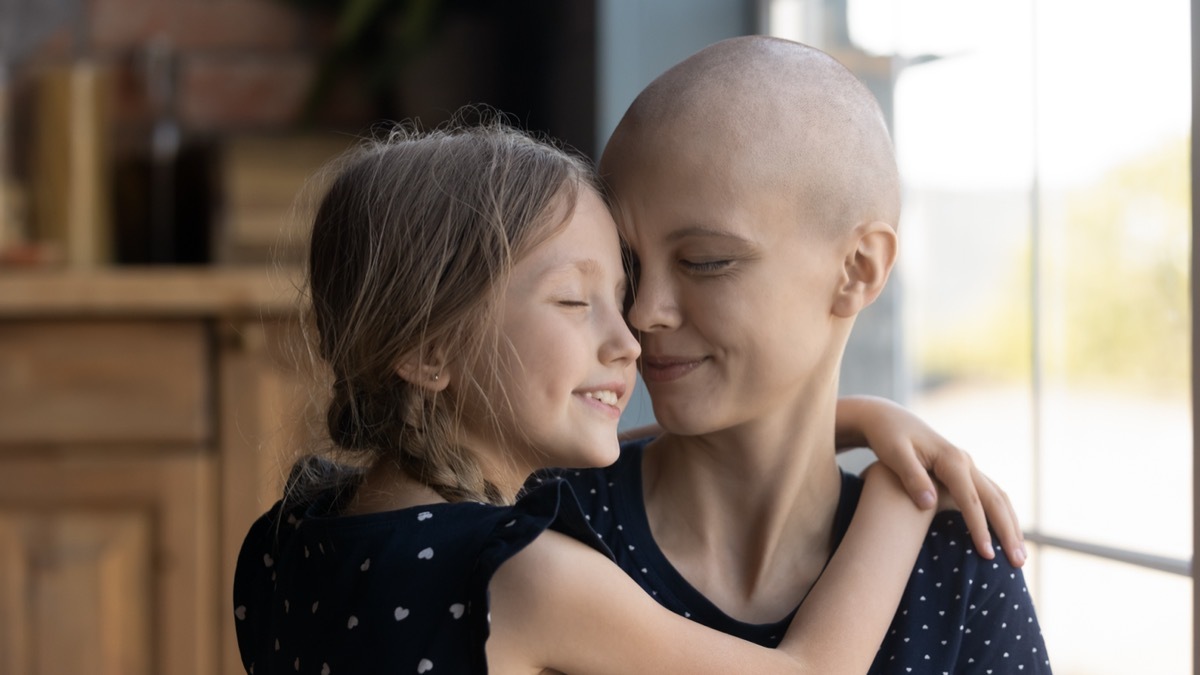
(1043,290)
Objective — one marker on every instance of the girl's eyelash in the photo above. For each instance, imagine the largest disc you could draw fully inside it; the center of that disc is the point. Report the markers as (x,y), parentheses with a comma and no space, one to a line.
(573,303)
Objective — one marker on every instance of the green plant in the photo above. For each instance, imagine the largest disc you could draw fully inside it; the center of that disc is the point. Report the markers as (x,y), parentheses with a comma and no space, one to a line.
(371,41)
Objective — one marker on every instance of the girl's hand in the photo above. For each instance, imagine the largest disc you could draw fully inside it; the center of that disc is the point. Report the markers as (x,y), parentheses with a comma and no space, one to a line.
(908,446)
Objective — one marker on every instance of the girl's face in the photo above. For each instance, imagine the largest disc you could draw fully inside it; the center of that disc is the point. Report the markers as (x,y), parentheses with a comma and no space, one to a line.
(567,360)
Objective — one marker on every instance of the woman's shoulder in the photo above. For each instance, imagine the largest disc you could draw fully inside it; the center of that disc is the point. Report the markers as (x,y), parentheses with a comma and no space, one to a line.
(948,561)
(961,608)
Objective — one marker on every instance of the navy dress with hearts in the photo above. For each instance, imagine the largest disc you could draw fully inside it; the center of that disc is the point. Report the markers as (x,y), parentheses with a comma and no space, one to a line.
(393,592)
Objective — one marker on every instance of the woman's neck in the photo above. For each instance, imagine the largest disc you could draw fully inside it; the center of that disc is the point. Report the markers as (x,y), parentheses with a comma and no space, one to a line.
(746,514)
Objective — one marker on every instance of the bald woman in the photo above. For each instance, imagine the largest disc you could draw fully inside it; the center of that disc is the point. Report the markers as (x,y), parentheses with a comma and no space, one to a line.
(756,187)
(751,277)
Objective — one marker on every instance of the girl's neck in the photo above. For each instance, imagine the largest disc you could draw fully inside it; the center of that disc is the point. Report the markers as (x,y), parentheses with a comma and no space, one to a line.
(386,487)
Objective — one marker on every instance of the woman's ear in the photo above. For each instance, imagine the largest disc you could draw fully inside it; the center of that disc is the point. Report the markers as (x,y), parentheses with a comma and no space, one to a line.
(866,268)
(430,374)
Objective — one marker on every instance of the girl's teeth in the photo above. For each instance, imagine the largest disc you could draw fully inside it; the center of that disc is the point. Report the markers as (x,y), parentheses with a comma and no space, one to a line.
(607,397)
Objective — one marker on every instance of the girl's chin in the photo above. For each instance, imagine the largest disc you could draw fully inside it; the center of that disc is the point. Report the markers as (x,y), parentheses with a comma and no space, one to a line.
(599,456)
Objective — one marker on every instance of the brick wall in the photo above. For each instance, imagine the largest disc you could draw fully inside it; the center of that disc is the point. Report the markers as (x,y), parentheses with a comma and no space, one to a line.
(244,70)
(243,66)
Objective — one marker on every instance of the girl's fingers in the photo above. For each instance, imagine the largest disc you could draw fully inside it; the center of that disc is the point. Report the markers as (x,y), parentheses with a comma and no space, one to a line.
(916,480)
(1012,539)
(962,481)
(977,522)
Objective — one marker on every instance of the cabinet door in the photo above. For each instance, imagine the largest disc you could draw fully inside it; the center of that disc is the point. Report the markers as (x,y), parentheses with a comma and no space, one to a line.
(76,598)
(106,567)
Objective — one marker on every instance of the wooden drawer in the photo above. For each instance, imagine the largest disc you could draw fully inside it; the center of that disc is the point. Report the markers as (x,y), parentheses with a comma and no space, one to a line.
(97,382)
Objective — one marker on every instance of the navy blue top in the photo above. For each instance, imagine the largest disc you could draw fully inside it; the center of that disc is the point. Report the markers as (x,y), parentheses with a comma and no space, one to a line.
(400,591)
(960,613)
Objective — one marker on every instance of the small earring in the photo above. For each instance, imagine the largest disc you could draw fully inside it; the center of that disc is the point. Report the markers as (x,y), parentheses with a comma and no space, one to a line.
(437,376)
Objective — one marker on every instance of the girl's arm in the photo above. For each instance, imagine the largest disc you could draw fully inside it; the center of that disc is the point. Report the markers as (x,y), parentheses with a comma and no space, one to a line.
(909,447)
(560,605)
(855,599)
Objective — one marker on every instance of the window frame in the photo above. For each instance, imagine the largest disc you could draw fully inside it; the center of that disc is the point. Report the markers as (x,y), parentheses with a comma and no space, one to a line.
(823,26)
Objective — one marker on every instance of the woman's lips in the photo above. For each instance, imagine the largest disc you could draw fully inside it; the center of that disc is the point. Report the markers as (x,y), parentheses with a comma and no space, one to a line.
(668,368)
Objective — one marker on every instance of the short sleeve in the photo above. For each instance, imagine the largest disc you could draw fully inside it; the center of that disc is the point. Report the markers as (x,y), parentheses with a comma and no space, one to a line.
(551,505)
(962,613)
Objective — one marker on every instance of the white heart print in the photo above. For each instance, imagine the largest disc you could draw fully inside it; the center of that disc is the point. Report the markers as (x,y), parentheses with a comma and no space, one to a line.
(366,565)
(324,669)
(267,560)
(240,612)
(424,515)
(352,622)
(424,666)
(457,610)
(425,554)
(401,613)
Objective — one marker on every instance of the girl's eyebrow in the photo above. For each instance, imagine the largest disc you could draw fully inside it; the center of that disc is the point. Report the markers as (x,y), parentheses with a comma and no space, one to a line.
(589,266)
(585,266)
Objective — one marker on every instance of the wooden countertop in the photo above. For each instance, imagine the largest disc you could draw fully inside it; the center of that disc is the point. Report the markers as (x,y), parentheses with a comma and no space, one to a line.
(150,291)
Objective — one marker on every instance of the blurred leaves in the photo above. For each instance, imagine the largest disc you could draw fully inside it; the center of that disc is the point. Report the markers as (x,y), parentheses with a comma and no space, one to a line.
(372,41)
(1113,288)
(1123,273)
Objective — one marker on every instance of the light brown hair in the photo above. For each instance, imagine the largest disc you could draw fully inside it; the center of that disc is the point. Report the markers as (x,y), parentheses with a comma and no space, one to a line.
(410,249)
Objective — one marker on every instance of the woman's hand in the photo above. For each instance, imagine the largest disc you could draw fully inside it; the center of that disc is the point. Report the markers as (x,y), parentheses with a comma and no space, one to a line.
(912,449)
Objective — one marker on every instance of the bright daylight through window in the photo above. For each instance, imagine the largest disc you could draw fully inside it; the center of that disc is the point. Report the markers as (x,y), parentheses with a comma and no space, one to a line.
(1044,285)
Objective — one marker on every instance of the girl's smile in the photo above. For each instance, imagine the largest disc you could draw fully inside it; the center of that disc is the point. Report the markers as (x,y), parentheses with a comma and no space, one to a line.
(568,360)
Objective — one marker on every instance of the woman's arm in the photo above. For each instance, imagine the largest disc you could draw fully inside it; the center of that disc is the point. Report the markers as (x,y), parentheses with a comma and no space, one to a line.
(909,447)
(560,605)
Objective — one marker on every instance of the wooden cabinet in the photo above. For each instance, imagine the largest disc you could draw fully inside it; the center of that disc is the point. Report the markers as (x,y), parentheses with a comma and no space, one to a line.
(146,418)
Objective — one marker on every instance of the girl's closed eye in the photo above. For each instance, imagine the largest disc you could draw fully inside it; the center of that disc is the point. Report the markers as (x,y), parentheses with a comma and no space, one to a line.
(573,303)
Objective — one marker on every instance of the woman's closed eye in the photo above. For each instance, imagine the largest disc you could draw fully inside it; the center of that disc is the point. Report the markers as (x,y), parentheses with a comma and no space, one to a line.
(573,303)
(705,266)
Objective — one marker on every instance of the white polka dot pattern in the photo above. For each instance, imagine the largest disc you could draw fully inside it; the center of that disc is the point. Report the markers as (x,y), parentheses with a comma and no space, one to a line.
(959,614)
(403,592)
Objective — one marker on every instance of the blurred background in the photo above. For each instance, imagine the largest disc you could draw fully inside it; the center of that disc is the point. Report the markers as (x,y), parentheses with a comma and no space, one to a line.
(151,394)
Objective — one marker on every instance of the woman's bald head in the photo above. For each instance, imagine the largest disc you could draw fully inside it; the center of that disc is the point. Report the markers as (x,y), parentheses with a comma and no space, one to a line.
(790,114)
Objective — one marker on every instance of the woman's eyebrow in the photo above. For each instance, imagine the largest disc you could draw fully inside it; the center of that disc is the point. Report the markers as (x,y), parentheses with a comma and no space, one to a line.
(703,231)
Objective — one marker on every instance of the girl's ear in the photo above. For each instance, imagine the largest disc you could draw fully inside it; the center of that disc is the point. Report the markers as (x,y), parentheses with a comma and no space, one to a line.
(866,268)
(430,374)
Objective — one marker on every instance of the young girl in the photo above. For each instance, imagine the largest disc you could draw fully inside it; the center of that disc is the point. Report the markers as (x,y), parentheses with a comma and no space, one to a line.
(467,292)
